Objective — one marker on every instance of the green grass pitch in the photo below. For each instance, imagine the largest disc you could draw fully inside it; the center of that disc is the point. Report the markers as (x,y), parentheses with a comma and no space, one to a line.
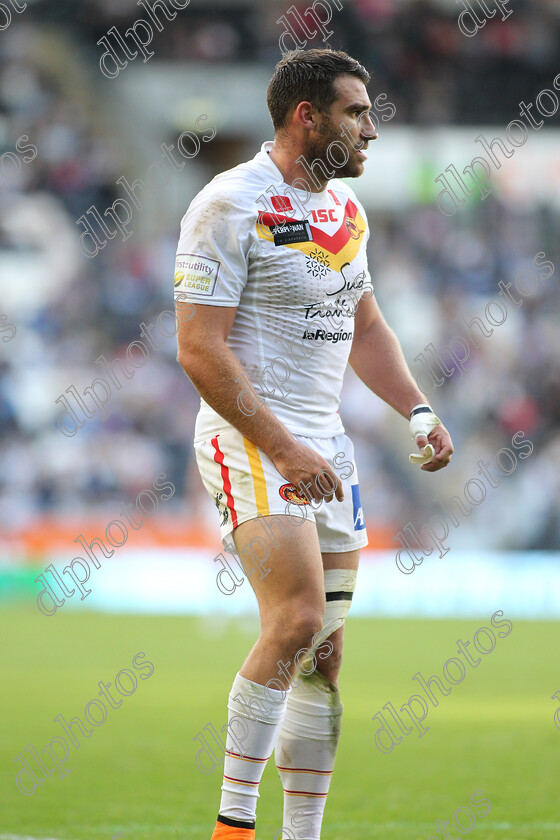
(135,774)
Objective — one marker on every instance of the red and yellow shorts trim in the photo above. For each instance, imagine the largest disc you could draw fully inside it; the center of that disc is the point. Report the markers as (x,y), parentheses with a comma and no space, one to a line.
(243,483)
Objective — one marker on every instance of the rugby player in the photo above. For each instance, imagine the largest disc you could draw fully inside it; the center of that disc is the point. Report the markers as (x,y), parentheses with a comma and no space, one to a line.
(272,261)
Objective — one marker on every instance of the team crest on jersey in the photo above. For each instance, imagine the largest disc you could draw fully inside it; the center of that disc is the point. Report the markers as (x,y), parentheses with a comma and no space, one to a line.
(352,228)
(291,494)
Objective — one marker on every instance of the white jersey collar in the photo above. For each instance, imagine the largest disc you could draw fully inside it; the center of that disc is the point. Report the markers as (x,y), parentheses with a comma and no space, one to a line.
(264,157)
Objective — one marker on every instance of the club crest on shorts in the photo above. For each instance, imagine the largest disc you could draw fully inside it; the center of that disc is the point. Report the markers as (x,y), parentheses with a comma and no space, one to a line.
(222,507)
(291,494)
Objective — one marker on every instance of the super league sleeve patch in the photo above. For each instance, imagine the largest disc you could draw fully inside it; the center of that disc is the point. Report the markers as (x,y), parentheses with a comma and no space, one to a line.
(196,274)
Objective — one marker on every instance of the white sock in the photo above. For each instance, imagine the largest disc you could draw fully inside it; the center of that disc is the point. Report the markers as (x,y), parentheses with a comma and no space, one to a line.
(305,752)
(261,710)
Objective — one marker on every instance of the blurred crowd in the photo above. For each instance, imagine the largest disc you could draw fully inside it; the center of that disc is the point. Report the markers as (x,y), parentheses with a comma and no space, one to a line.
(427,270)
(436,73)
(430,277)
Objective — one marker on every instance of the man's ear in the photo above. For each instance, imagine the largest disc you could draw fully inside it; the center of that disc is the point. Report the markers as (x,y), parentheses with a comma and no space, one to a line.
(306,115)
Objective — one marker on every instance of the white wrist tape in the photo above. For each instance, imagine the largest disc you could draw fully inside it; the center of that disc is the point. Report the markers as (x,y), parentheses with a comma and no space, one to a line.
(422,424)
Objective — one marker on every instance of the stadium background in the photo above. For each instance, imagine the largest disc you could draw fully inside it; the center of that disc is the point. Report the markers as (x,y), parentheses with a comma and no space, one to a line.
(429,271)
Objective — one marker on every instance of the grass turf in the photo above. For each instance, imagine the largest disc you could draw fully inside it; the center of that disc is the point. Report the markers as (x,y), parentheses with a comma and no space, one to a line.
(136,775)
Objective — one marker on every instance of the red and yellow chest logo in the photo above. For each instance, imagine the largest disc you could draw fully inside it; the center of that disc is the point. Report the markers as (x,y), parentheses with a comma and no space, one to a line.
(341,246)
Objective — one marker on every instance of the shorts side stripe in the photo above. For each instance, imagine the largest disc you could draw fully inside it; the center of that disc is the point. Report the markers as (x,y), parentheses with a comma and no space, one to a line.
(259,482)
(219,459)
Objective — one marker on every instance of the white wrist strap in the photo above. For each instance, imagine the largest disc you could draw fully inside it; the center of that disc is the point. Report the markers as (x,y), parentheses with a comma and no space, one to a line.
(422,424)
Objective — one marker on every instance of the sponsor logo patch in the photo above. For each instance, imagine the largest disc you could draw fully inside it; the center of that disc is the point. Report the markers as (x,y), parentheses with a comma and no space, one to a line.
(286,233)
(327,335)
(291,494)
(196,275)
(281,203)
(358,511)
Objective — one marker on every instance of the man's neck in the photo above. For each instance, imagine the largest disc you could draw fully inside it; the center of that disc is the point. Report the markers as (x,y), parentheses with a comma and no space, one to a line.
(286,160)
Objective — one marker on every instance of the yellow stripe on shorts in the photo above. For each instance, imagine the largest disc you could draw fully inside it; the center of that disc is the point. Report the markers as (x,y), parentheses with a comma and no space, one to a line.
(259,483)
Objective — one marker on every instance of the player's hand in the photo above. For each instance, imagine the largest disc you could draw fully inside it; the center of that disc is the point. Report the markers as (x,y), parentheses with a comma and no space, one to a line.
(433,440)
(310,474)
(440,441)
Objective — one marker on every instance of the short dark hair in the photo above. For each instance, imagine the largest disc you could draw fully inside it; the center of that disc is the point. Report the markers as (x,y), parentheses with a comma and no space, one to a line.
(308,76)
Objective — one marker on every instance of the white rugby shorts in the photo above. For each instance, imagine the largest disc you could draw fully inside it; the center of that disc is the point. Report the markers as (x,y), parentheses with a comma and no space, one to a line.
(244,484)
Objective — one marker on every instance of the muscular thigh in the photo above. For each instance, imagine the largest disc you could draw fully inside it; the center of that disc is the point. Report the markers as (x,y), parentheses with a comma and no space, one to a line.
(341,560)
(293,570)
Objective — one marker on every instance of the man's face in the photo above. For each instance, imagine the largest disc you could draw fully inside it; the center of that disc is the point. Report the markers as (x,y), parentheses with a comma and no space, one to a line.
(348,125)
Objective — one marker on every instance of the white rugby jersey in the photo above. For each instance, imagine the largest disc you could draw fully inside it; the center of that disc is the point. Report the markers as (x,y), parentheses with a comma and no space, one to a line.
(295,270)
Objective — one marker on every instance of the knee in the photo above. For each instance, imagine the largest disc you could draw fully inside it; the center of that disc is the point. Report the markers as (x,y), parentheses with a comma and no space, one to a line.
(302,625)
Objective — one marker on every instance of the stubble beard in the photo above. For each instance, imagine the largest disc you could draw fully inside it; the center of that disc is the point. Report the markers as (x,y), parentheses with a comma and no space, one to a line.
(318,147)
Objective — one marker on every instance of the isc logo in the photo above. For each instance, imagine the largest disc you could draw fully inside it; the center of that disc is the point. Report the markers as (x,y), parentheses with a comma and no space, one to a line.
(324,216)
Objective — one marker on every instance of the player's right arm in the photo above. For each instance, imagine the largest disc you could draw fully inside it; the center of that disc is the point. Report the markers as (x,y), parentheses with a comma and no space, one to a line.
(212,366)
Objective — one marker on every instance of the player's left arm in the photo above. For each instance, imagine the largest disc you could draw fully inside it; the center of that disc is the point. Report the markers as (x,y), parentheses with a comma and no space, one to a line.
(377,358)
